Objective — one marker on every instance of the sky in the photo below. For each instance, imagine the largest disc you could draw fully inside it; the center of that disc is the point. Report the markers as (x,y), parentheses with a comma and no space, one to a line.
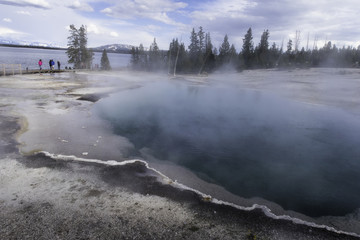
(137,22)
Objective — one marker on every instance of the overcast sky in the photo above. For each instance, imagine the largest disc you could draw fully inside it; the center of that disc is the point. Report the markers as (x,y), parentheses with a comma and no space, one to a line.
(140,21)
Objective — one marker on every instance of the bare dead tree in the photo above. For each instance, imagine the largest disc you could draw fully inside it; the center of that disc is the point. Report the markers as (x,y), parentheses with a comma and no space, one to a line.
(307,43)
(297,40)
(315,42)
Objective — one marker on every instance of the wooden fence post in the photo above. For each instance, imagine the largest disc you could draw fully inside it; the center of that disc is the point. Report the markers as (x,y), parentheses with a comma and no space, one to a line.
(8,68)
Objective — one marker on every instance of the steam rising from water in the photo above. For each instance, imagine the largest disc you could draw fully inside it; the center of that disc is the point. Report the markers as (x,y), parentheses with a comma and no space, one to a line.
(255,144)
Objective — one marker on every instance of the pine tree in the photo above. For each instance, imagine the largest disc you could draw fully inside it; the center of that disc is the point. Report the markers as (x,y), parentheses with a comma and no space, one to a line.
(143,58)
(208,44)
(224,51)
(84,53)
(201,58)
(73,50)
(264,41)
(289,54)
(263,50)
(274,55)
(134,58)
(105,63)
(248,49)
(194,51)
(209,59)
(194,45)
(289,47)
(173,56)
(201,40)
(77,50)
(233,56)
(154,56)
(139,58)
(177,58)
(215,51)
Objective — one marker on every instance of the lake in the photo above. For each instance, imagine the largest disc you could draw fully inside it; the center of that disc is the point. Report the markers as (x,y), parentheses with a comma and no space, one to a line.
(29,57)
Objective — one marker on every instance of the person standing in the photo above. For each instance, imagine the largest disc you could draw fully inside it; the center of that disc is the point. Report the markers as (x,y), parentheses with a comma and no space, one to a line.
(50,63)
(58,63)
(40,64)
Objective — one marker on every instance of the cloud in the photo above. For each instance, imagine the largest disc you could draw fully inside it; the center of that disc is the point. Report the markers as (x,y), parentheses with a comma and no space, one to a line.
(27,3)
(156,10)
(7,32)
(7,20)
(328,19)
(81,6)
(98,29)
(92,28)
(23,13)
(114,34)
(230,9)
(139,21)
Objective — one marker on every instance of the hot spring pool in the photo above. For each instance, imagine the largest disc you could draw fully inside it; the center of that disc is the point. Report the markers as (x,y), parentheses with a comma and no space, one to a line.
(255,144)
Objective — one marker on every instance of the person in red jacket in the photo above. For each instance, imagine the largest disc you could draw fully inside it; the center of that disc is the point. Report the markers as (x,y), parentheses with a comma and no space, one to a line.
(40,64)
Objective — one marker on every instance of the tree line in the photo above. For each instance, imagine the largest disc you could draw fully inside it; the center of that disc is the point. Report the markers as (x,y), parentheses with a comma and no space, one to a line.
(201,56)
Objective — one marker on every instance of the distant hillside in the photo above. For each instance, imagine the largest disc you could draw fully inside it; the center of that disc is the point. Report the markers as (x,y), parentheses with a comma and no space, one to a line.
(114,48)
(30,46)
(111,48)
(11,43)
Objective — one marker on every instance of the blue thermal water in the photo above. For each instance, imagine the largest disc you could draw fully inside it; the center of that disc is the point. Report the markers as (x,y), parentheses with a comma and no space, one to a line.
(303,157)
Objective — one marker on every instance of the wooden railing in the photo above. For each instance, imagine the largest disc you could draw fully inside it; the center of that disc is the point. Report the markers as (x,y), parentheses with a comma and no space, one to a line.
(10,69)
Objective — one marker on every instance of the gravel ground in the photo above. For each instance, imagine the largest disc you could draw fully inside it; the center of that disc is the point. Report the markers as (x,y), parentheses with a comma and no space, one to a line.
(97,202)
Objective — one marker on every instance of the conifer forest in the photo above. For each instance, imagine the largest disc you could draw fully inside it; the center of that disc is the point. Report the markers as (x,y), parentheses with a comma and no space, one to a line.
(201,56)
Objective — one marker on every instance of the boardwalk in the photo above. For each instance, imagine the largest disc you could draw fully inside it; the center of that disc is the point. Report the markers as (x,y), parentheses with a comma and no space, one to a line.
(34,71)
(12,69)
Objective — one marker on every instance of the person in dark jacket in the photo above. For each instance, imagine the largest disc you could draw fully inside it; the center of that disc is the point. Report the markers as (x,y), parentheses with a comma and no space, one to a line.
(52,64)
